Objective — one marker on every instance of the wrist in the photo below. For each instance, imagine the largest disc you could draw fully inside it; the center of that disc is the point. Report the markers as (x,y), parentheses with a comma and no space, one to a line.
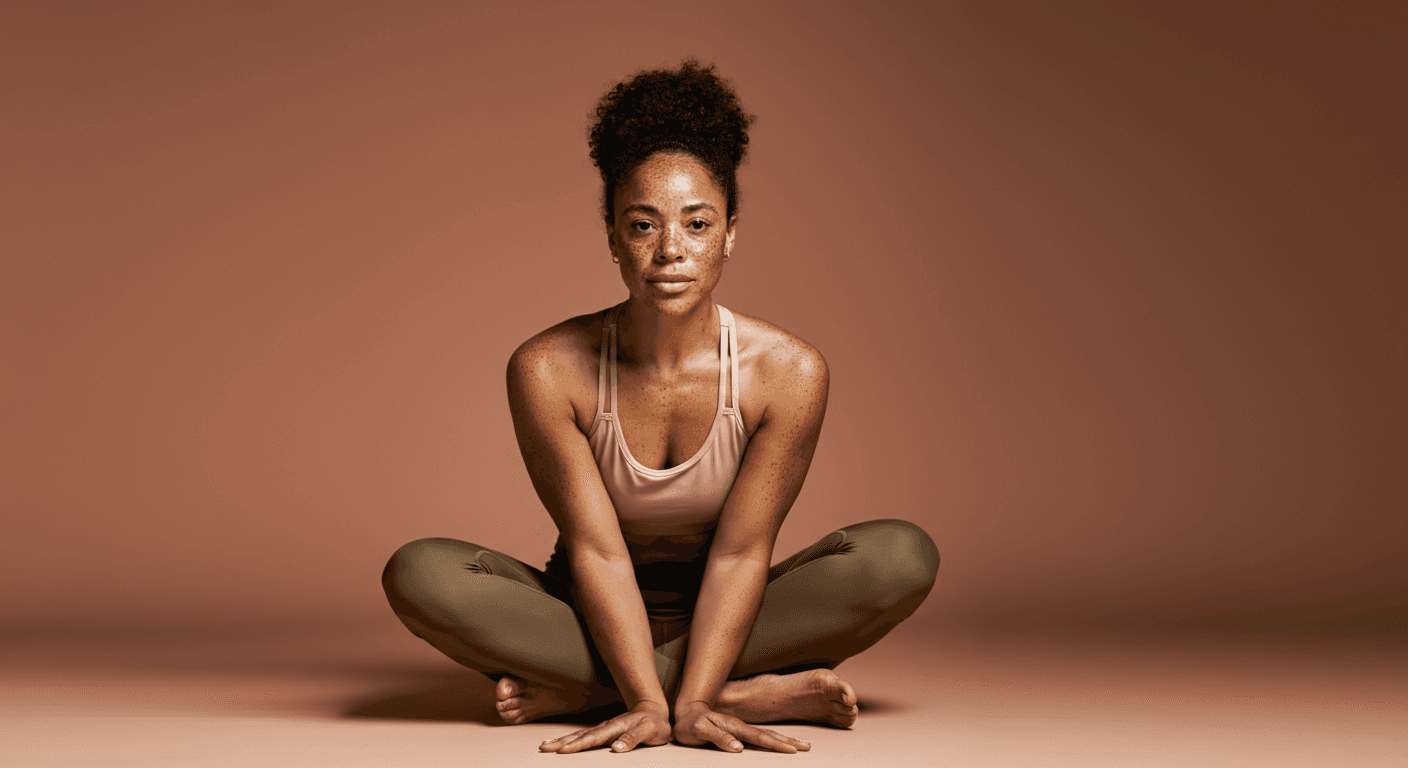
(651,705)
(683,707)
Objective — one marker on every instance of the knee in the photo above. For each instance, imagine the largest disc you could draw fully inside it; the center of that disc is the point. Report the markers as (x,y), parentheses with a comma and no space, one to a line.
(419,566)
(900,560)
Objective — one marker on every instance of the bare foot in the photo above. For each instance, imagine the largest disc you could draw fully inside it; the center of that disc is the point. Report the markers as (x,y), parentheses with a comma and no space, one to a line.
(519,701)
(819,695)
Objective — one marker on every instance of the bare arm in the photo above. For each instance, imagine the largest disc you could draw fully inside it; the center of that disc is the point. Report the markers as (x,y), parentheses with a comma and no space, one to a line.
(560,463)
(776,463)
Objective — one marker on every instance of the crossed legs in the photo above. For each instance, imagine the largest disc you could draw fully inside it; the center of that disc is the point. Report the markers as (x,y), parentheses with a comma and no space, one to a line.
(516,624)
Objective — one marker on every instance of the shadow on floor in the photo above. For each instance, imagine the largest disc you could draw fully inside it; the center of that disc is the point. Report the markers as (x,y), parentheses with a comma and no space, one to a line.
(456,696)
(468,697)
(881,706)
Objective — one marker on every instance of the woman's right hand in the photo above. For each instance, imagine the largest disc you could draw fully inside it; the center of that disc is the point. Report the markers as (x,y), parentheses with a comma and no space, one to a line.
(645,723)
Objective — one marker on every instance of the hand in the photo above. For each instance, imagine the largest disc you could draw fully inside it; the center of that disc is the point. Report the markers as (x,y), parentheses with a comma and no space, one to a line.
(645,723)
(696,724)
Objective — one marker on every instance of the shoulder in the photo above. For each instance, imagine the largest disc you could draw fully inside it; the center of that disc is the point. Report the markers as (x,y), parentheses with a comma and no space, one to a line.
(562,344)
(783,368)
(776,352)
(558,363)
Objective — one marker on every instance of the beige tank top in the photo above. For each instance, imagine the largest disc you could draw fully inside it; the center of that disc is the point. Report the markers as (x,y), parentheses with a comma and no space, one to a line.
(680,500)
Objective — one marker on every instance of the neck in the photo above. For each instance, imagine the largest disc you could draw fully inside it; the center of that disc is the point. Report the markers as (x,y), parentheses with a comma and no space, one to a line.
(659,340)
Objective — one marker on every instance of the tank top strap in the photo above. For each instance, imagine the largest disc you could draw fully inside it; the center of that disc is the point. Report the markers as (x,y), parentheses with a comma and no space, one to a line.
(607,360)
(615,340)
(730,330)
(728,362)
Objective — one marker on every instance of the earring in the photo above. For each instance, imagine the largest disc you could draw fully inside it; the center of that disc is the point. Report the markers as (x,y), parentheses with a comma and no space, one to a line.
(615,260)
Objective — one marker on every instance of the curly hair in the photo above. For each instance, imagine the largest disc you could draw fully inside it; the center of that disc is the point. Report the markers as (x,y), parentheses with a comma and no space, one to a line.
(690,110)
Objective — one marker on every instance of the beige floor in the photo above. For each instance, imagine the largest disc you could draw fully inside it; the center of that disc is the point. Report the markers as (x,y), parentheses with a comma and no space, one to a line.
(378,697)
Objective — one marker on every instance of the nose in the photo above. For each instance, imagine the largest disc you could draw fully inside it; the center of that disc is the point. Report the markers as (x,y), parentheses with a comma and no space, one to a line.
(671,245)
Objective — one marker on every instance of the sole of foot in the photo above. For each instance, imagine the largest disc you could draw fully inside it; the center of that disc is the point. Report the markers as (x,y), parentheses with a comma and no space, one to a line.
(817,695)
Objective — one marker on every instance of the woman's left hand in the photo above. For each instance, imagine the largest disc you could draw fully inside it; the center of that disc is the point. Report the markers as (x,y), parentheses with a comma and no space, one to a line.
(696,725)
(644,724)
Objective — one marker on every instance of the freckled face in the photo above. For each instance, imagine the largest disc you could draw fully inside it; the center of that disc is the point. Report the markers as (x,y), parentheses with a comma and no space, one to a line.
(670,233)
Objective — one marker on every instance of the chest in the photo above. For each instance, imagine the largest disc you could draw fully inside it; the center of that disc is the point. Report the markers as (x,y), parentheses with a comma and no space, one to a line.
(667,416)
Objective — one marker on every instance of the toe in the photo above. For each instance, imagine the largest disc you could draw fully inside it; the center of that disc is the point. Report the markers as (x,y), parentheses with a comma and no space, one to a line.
(507,687)
(848,694)
(511,702)
(844,710)
(838,688)
(845,718)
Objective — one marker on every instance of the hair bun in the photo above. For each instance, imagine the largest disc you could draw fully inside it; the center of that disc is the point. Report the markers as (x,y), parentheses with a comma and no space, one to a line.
(690,109)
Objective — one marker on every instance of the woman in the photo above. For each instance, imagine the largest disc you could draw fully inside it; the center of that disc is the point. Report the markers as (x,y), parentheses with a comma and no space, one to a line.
(668,437)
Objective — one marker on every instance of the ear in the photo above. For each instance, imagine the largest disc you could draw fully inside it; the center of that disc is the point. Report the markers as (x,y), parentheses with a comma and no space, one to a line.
(730,232)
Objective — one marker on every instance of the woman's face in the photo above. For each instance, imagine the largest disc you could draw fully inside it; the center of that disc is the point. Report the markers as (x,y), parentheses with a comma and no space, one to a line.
(670,233)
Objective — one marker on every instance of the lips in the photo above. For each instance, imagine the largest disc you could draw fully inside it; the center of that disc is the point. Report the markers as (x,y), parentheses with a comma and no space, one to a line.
(670,279)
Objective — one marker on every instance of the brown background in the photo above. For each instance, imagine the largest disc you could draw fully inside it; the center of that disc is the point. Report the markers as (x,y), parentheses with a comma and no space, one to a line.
(1113,297)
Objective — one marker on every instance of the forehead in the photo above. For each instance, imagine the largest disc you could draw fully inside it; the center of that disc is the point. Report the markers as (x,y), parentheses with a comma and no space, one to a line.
(669,176)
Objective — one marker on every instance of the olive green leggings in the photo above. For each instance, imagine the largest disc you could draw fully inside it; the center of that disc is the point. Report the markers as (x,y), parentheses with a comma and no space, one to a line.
(494,614)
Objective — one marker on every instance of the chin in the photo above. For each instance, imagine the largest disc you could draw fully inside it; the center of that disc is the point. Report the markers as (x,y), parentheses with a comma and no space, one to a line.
(674,304)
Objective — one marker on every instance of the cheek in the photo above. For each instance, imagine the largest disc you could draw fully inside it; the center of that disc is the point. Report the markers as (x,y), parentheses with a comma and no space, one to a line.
(633,248)
(640,251)
(712,244)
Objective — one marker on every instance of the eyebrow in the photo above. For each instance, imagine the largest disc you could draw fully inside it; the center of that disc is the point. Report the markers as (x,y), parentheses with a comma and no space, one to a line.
(653,211)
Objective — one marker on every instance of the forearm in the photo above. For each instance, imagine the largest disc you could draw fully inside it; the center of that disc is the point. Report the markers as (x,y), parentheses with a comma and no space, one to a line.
(610,600)
(729,600)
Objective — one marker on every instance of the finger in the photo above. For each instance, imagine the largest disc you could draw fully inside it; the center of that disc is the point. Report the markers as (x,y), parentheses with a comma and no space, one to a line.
(592,737)
(647,731)
(553,745)
(770,739)
(711,731)
(764,737)
(626,741)
(638,730)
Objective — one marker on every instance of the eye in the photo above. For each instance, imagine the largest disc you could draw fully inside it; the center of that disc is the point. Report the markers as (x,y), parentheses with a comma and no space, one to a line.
(698,225)
(640,226)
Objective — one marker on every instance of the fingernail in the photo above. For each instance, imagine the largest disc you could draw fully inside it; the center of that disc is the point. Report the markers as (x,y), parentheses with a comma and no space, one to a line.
(735,745)
(549,741)
(804,741)
(619,745)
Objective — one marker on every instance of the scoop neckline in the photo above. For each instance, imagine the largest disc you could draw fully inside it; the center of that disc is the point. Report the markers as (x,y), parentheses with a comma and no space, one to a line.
(719,410)
(667,471)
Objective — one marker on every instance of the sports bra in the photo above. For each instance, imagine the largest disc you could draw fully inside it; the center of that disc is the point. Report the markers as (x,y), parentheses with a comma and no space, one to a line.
(683,499)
